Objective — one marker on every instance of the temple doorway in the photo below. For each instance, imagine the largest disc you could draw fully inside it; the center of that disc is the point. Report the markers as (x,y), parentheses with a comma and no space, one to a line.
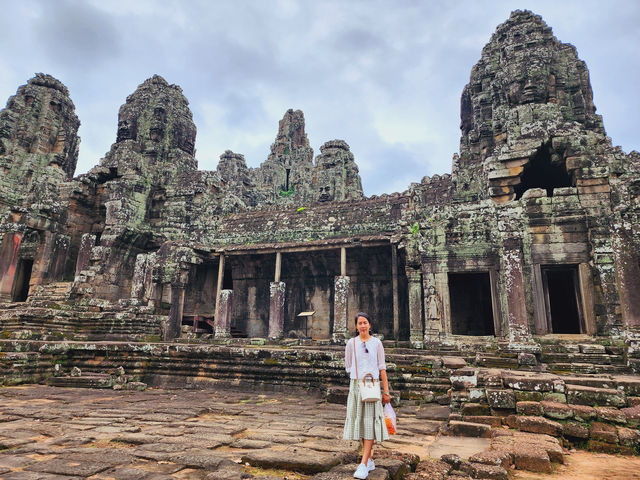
(21,282)
(562,299)
(471,305)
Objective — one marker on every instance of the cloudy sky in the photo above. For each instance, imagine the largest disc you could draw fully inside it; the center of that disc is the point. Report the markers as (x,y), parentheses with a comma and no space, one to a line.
(386,76)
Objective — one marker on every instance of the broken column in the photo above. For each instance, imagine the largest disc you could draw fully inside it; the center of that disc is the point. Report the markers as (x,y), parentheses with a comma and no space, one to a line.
(222,323)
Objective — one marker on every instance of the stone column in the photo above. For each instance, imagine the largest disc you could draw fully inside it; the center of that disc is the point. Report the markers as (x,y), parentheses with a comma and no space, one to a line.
(415,307)
(87,242)
(175,313)
(394,286)
(519,333)
(222,328)
(627,274)
(276,309)
(9,263)
(341,309)
(220,279)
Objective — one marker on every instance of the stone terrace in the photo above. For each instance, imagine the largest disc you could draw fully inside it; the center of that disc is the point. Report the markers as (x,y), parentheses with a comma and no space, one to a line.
(54,433)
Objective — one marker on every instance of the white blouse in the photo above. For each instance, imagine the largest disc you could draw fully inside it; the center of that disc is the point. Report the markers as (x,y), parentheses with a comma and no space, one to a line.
(371,362)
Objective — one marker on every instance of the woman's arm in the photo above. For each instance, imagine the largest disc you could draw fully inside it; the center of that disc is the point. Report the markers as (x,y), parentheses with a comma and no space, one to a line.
(382,367)
(386,397)
(348,357)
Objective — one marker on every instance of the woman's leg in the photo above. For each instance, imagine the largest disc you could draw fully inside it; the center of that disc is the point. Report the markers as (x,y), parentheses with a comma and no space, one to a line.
(367,446)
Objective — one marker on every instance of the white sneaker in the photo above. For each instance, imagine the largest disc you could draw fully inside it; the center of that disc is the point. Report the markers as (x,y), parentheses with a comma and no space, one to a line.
(361,472)
(370,465)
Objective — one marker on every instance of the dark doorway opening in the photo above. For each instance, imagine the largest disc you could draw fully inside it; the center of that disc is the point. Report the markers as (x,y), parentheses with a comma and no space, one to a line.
(471,308)
(545,170)
(23,276)
(562,299)
(227,280)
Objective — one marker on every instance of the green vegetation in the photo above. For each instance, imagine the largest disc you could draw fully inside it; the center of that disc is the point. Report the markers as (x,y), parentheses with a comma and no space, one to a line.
(286,193)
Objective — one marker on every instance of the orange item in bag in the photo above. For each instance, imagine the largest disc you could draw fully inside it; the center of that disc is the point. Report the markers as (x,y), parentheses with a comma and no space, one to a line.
(391,428)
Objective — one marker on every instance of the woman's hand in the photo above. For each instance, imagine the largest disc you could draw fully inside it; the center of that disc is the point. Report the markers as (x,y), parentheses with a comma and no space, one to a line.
(386,398)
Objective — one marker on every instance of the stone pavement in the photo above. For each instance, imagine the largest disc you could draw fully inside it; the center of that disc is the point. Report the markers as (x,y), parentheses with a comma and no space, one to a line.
(53,433)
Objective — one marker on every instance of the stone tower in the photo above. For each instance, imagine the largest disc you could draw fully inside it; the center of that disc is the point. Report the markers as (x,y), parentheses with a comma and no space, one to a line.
(335,176)
(287,172)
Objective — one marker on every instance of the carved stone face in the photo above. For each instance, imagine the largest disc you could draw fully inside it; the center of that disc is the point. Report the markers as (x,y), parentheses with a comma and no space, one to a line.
(325,194)
(126,129)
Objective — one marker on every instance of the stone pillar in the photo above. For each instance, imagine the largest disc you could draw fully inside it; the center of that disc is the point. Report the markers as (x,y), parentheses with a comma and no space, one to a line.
(415,307)
(276,309)
(9,263)
(222,328)
(394,286)
(139,274)
(433,311)
(341,309)
(220,279)
(627,274)
(518,324)
(175,313)
(87,242)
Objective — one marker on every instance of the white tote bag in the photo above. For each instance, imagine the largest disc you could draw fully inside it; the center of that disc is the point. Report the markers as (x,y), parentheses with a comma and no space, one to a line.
(369,386)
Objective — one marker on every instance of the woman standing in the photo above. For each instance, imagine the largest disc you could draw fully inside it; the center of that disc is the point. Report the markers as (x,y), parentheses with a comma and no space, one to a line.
(365,420)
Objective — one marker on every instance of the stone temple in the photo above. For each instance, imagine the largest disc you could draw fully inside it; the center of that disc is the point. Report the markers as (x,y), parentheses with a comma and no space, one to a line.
(525,257)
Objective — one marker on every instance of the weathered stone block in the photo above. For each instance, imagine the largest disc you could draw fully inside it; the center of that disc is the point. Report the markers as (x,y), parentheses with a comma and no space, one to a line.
(535,383)
(554,397)
(468,429)
(631,386)
(493,457)
(592,348)
(539,425)
(583,413)
(479,470)
(575,430)
(529,408)
(531,458)
(501,399)
(632,413)
(475,409)
(603,432)
(556,410)
(528,396)
(595,396)
(633,401)
(490,378)
(464,378)
(527,359)
(611,415)
(629,437)
(454,363)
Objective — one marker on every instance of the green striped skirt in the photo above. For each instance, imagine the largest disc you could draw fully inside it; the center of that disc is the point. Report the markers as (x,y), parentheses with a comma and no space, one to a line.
(364,420)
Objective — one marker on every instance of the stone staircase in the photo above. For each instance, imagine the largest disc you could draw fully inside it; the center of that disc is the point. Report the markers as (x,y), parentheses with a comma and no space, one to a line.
(57,321)
(50,293)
